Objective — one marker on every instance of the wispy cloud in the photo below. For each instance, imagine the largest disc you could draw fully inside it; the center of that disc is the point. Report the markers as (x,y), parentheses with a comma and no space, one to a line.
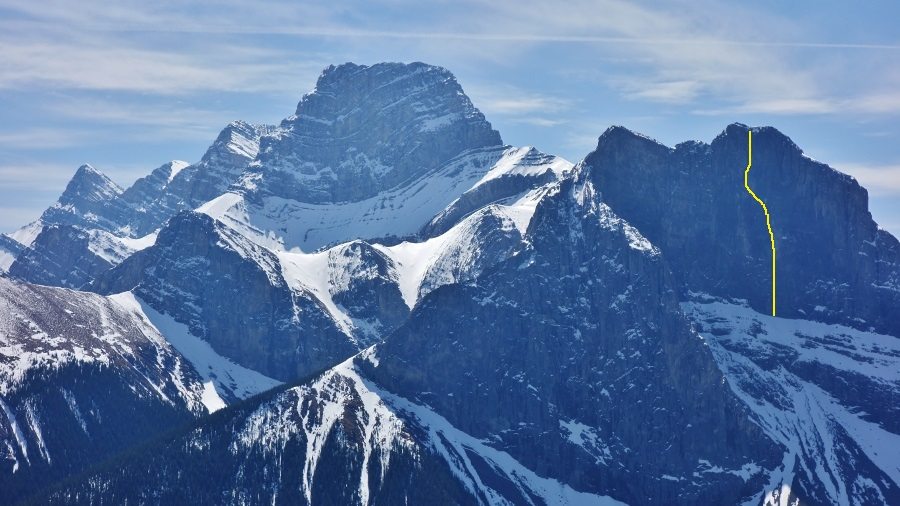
(13,217)
(728,59)
(522,104)
(617,21)
(673,92)
(674,54)
(538,121)
(877,103)
(41,177)
(518,106)
(880,180)
(873,104)
(128,46)
(775,106)
(42,138)
(97,65)
(165,120)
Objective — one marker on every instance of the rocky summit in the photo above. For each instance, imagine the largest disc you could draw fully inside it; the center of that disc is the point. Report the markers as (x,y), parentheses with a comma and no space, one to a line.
(378,302)
(366,129)
(834,263)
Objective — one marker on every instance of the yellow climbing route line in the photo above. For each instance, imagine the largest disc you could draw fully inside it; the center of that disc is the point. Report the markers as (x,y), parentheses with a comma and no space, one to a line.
(765,209)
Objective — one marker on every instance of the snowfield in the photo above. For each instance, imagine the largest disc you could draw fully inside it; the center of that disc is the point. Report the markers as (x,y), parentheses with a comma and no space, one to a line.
(792,375)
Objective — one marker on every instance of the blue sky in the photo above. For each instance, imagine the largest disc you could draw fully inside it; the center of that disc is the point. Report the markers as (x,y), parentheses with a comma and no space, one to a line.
(128,85)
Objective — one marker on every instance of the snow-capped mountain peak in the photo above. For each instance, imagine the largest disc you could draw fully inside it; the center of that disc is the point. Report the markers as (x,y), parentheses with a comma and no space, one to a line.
(88,185)
(239,139)
(175,166)
(329,152)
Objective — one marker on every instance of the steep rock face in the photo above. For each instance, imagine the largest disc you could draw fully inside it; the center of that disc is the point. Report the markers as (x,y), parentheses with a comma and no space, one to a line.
(70,256)
(363,281)
(146,191)
(372,153)
(573,357)
(152,185)
(366,129)
(91,200)
(235,147)
(232,293)
(61,255)
(81,378)
(833,262)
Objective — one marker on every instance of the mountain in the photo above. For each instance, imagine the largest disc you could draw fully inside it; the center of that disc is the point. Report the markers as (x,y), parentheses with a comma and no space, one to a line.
(73,239)
(552,423)
(366,129)
(71,256)
(310,310)
(565,371)
(322,169)
(464,322)
(600,422)
(834,263)
(90,199)
(314,309)
(83,377)
(95,224)
(373,152)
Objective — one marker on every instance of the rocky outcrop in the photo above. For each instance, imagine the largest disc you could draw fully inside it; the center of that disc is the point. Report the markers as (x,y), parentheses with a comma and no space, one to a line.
(366,129)
(90,200)
(363,282)
(532,169)
(145,194)
(833,262)
(61,255)
(231,293)
(221,166)
(483,240)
